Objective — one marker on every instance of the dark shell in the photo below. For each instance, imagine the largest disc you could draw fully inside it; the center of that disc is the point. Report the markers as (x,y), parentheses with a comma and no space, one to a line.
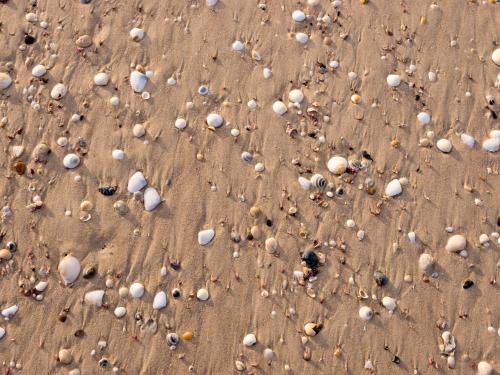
(89,272)
(19,167)
(468,284)
(172,339)
(103,362)
(108,190)
(380,278)
(311,259)
(29,39)
(12,246)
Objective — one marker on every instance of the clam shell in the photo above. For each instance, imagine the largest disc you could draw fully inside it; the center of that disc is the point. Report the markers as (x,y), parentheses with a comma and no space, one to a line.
(160,300)
(9,312)
(41,286)
(456,243)
(5,81)
(136,34)
(468,140)
(215,120)
(337,165)
(94,297)
(444,145)
(205,236)
(393,80)
(136,290)
(120,312)
(246,156)
(296,96)
(58,91)
(268,354)
(136,182)
(71,161)
(2,332)
(393,188)
(298,16)
(389,303)
(180,123)
(237,46)
(484,368)
(69,269)
(310,329)
(424,118)
(301,38)
(279,108)
(151,199)
(5,254)
(38,71)
(101,79)
(271,245)
(202,294)
(495,56)
(249,340)
(318,181)
(138,81)
(305,183)
(365,313)
(491,145)
(84,41)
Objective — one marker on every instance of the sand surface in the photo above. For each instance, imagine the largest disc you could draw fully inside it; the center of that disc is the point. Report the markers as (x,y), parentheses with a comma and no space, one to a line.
(187,40)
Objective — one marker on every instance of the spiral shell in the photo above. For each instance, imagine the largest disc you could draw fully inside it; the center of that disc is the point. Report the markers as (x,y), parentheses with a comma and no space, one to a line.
(318,181)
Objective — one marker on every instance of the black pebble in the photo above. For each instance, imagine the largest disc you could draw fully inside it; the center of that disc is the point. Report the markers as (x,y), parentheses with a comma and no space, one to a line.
(396,360)
(175,265)
(249,237)
(85,1)
(28,39)
(11,246)
(380,278)
(468,284)
(107,190)
(311,259)
(366,155)
(269,222)
(417,97)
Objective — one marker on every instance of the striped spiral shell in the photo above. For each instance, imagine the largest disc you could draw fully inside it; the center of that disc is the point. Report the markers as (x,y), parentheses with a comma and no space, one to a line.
(318,181)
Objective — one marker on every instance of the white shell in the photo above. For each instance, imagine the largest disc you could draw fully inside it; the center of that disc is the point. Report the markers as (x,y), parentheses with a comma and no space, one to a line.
(138,130)
(432,76)
(160,300)
(468,140)
(211,3)
(180,123)
(249,340)
(237,46)
(412,237)
(118,154)
(58,91)
(271,245)
(495,134)
(393,80)
(456,243)
(267,73)
(151,199)
(296,96)
(62,141)
(9,312)
(41,286)
(279,108)
(2,332)
(235,132)
(484,239)
(337,165)
(425,263)
(424,118)
(137,34)
(136,182)
(259,167)
(484,368)
(491,145)
(38,71)
(268,354)
(302,38)
(138,81)
(114,101)
(305,183)
(252,104)
(202,294)
(94,297)
(389,303)
(71,161)
(298,16)
(393,188)
(5,81)
(444,145)
(365,313)
(495,56)
(17,151)
(205,236)
(136,290)
(69,269)
(215,120)
(101,79)
(120,312)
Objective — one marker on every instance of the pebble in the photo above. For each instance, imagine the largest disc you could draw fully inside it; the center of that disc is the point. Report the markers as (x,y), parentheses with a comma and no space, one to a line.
(267,73)
(467,140)
(123,292)
(389,303)
(237,46)
(444,145)
(114,101)
(305,183)
(491,145)
(205,236)
(296,96)
(212,3)
(202,294)
(137,34)
(5,80)
(271,245)
(136,290)
(2,332)
(94,297)
(259,167)
(71,161)
(69,269)
(426,263)
(5,254)
(84,41)
(249,340)
(455,243)
(268,355)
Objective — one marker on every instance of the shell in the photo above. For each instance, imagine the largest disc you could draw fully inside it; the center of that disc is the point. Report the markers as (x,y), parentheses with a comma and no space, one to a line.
(389,303)
(495,56)
(205,236)
(136,34)
(94,297)
(136,290)
(180,123)
(138,81)
(237,46)
(9,312)
(491,145)
(246,156)
(393,80)
(305,183)
(187,336)
(393,188)
(495,134)
(267,73)
(426,263)
(318,181)
(41,152)
(468,140)
(249,340)
(202,294)
(138,130)
(58,91)
(311,329)
(279,108)
(259,167)
(38,71)
(356,99)
(456,243)
(484,368)
(151,199)
(212,3)
(337,165)
(41,286)
(136,182)
(71,161)
(268,354)
(160,300)
(5,81)
(120,312)
(424,118)
(172,339)
(271,245)
(301,38)
(298,16)
(118,154)
(380,278)
(365,313)
(215,120)
(84,41)
(69,269)
(444,145)
(65,356)
(296,96)
(5,254)
(101,79)
(2,332)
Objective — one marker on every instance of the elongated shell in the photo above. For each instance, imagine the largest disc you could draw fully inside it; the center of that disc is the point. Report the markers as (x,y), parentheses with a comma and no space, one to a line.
(151,199)
(318,181)
(69,269)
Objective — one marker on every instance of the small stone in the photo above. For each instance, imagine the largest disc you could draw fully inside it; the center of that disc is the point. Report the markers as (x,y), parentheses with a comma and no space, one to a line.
(311,259)
(137,34)
(424,118)
(123,292)
(187,336)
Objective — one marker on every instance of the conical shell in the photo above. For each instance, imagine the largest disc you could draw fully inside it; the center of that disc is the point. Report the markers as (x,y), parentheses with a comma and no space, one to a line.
(5,81)
(393,188)
(160,300)
(215,120)
(69,269)
(136,182)
(337,165)
(58,91)
(205,236)
(138,81)
(151,199)
(94,297)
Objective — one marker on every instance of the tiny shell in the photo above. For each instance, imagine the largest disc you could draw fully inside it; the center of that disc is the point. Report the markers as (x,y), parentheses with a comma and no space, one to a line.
(305,183)
(202,294)
(5,81)
(69,269)
(467,140)
(136,34)
(136,182)
(298,16)
(412,237)
(355,98)
(38,71)
(424,118)
(456,243)
(271,245)
(259,167)
(212,3)
(101,79)
(268,354)
(246,156)
(389,303)
(484,368)
(138,81)
(41,152)
(187,336)
(491,145)
(58,91)
(71,161)
(444,145)
(84,41)
(337,165)
(266,72)
(151,199)
(249,340)
(311,329)
(94,297)
(41,286)
(495,56)
(237,46)
(302,38)
(138,130)
(172,339)
(296,96)
(365,313)
(215,120)
(279,108)
(160,300)
(393,80)
(180,123)
(136,290)
(426,263)
(118,154)
(393,188)
(318,181)
(205,236)
(120,312)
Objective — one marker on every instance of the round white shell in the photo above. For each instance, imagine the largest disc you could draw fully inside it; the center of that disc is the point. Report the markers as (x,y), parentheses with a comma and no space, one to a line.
(365,313)
(151,199)
(136,182)
(94,297)
(298,16)
(279,108)
(205,236)
(118,154)
(444,145)
(393,188)
(393,80)
(101,79)
(424,118)
(425,262)
(491,144)
(456,243)
(136,290)
(38,71)
(69,269)
(389,303)
(495,134)
(266,72)
(237,46)
(58,91)
(212,3)
(302,38)
(138,81)
(160,300)
(5,81)
(495,56)
(249,340)
(202,294)
(120,312)
(71,161)
(215,120)
(137,34)
(296,96)
(180,123)
(467,140)
(337,165)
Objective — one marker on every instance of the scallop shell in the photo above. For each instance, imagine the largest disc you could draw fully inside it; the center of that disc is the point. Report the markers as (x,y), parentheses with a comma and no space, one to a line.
(279,108)
(38,71)
(444,145)
(5,81)
(69,269)
(393,188)
(389,303)
(151,199)
(205,236)
(301,38)
(215,120)
(120,312)
(296,96)
(491,145)
(456,243)
(468,140)
(101,79)
(58,91)
(318,181)
(136,182)
(495,56)
(393,80)
(94,297)
(136,34)
(138,81)
(271,245)
(249,340)
(202,294)
(136,290)
(305,183)
(160,300)
(298,16)
(424,118)
(365,313)
(71,161)
(337,165)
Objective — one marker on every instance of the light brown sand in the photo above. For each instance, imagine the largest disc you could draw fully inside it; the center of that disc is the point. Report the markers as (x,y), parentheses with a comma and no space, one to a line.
(169,233)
